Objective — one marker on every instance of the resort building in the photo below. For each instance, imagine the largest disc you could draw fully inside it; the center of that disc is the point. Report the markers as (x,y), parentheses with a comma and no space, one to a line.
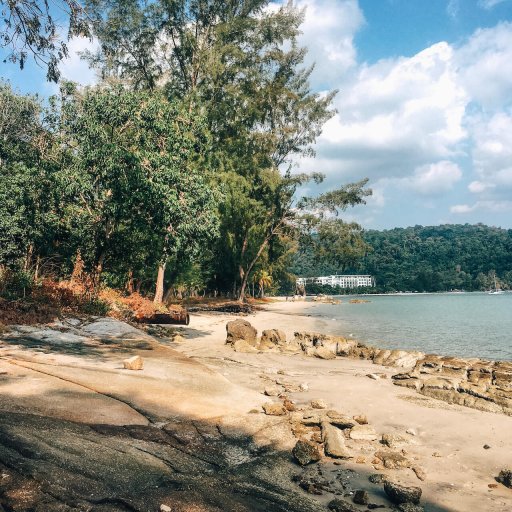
(344,281)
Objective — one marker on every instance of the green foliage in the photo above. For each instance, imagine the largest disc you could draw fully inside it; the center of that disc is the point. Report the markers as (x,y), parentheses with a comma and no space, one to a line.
(427,259)
(135,191)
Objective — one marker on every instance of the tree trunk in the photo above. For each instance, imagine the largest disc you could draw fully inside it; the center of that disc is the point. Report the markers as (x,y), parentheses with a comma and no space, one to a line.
(241,296)
(129,284)
(159,292)
(167,296)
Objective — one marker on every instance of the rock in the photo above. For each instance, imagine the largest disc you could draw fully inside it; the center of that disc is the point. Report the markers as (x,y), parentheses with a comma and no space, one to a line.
(165,508)
(373,376)
(272,391)
(393,440)
(273,336)
(420,473)
(409,507)
(392,460)
(334,442)
(487,447)
(401,494)
(505,478)
(361,497)
(363,433)
(240,330)
(361,419)
(318,404)
(338,505)
(272,409)
(377,478)
(306,452)
(289,405)
(311,419)
(304,387)
(244,347)
(411,432)
(133,363)
(340,420)
(324,353)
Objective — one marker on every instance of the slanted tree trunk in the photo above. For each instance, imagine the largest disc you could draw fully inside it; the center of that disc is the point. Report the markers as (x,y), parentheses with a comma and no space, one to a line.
(159,292)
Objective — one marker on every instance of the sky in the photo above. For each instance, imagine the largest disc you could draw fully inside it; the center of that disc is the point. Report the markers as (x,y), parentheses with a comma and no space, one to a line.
(424,108)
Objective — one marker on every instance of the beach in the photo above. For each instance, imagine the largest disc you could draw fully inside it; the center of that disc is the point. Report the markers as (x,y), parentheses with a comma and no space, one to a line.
(75,388)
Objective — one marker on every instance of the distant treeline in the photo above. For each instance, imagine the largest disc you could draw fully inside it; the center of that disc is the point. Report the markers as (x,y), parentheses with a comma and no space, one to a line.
(429,259)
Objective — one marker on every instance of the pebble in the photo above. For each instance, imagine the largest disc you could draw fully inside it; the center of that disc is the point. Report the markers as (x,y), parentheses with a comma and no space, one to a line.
(420,473)
(318,404)
(165,508)
(486,447)
(361,419)
(373,376)
(411,432)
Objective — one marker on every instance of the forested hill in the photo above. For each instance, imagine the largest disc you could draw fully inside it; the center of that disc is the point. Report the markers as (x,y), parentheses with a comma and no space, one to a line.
(431,258)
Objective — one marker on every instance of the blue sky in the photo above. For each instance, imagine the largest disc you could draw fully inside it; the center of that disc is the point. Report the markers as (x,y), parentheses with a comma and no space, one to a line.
(424,108)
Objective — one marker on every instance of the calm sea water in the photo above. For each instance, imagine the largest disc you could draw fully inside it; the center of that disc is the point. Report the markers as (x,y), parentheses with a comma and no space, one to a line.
(465,324)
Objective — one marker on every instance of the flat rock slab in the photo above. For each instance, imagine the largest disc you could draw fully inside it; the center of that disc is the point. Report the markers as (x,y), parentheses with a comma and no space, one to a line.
(50,465)
(114,329)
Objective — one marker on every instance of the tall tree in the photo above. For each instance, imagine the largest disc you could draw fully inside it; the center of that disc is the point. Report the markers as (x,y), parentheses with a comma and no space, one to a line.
(29,28)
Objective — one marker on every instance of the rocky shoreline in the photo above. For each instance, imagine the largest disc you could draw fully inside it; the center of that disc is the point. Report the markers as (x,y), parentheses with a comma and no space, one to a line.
(324,433)
(476,383)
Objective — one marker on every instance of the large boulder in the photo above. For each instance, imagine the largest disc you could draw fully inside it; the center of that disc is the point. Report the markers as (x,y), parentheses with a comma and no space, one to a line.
(241,330)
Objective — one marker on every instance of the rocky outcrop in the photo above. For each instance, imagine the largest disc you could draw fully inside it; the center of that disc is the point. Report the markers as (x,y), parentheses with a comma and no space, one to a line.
(483,385)
(240,330)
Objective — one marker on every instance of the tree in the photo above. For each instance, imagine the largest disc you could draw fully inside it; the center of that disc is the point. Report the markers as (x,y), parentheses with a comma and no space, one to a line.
(240,64)
(135,170)
(30,27)
(264,280)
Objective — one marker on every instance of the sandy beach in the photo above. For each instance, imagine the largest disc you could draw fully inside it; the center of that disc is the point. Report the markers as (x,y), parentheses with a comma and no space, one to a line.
(194,415)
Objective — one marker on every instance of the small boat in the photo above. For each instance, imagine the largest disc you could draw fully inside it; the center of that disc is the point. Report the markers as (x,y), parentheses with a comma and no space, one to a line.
(496,290)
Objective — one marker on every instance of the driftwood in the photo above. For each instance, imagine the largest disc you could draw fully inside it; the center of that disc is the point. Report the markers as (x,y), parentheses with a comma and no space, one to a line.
(177,316)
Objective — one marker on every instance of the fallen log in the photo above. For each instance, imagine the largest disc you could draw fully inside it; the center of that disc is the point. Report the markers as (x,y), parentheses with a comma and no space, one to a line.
(180,317)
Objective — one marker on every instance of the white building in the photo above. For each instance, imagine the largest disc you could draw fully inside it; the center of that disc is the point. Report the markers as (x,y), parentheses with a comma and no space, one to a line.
(345,281)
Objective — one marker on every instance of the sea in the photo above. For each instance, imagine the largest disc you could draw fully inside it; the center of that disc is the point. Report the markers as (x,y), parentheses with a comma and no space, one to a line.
(456,324)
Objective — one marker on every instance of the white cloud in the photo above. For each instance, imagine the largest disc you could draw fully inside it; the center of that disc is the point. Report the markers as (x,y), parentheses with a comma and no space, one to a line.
(434,179)
(485,66)
(477,187)
(395,116)
(492,154)
(461,208)
(328,33)
(74,67)
(453,8)
(489,206)
(489,4)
